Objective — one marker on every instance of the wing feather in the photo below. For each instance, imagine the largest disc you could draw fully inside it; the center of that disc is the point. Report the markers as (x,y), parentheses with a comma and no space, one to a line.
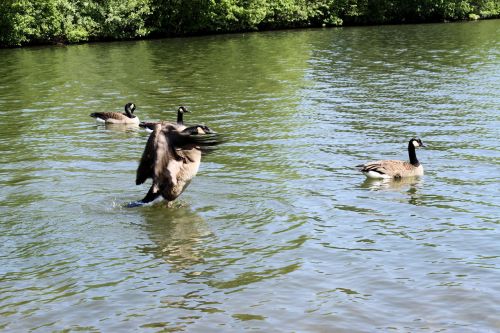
(156,155)
(393,168)
(109,115)
(172,157)
(146,166)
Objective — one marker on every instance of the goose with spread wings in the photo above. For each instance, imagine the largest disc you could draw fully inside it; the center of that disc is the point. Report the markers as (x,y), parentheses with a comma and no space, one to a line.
(172,158)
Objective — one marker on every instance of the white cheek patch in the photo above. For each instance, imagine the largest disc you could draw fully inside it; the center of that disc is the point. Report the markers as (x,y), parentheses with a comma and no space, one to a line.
(416,144)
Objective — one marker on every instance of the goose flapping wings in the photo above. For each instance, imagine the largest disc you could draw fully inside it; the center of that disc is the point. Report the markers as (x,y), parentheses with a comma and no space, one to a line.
(172,157)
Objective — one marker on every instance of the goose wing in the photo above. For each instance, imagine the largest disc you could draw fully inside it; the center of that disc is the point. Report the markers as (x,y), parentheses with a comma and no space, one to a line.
(392,168)
(109,115)
(203,138)
(198,129)
(159,150)
(166,144)
(156,152)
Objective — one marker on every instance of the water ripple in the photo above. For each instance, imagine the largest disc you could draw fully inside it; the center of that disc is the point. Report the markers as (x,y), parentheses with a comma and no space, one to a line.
(278,231)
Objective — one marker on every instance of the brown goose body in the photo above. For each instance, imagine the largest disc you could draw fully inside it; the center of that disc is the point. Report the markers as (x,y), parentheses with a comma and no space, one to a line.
(395,168)
(126,117)
(171,159)
(391,169)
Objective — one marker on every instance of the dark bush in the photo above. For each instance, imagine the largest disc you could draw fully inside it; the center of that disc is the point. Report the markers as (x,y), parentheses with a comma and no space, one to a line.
(70,21)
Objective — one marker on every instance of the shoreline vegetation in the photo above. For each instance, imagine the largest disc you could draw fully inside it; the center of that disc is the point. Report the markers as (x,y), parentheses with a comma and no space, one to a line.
(26,22)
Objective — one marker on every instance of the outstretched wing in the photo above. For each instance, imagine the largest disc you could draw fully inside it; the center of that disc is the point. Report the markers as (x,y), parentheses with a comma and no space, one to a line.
(198,129)
(165,144)
(145,168)
(155,156)
(201,137)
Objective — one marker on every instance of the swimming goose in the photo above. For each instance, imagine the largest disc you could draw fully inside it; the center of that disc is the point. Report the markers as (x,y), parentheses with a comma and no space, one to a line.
(180,120)
(171,159)
(394,168)
(126,117)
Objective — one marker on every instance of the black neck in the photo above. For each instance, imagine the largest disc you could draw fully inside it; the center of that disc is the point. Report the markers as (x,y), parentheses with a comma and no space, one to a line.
(180,119)
(411,153)
(129,114)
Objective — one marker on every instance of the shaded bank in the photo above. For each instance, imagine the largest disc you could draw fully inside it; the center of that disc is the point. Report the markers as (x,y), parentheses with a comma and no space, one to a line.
(25,22)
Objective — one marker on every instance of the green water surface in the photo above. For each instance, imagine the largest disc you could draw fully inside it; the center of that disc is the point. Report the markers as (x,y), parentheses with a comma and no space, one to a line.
(278,232)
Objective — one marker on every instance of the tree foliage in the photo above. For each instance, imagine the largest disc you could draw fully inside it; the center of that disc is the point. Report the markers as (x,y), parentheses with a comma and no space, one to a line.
(61,21)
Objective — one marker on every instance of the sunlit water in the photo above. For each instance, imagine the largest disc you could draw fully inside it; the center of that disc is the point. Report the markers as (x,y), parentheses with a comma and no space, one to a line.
(278,232)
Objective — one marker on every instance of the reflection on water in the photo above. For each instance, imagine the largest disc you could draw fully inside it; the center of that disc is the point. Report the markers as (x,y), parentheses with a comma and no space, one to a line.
(410,186)
(277,232)
(175,233)
(120,127)
(397,184)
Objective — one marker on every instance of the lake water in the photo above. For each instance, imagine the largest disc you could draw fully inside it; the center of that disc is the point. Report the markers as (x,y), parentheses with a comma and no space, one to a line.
(278,232)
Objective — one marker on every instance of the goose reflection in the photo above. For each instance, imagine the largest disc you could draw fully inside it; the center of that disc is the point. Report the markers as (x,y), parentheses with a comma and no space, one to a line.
(175,234)
(395,184)
(120,127)
(410,185)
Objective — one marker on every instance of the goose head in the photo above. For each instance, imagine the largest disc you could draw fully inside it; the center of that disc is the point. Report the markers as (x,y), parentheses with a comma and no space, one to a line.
(129,109)
(182,109)
(416,142)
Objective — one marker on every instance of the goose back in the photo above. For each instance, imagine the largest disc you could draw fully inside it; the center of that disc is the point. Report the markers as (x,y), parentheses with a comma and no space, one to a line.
(391,169)
(126,117)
